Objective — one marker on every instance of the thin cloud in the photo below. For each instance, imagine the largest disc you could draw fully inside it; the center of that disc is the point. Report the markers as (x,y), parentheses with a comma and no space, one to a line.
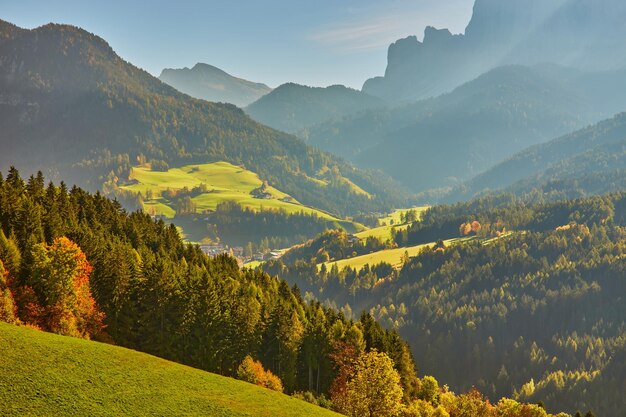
(378,32)
(361,36)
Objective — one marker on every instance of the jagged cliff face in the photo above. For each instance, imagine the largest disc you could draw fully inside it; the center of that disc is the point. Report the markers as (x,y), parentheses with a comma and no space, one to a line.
(586,34)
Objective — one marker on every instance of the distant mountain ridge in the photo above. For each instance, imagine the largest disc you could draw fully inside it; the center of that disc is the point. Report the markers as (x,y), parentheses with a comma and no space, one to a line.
(293,107)
(451,138)
(210,83)
(584,34)
(586,162)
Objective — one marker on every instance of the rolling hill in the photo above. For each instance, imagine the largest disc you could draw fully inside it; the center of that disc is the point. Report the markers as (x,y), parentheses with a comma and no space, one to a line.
(439,142)
(73,108)
(209,83)
(46,374)
(586,162)
(293,108)
(220,192)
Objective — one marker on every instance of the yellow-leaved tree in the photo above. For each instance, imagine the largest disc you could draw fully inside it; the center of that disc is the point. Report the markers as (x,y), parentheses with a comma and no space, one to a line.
(373,389)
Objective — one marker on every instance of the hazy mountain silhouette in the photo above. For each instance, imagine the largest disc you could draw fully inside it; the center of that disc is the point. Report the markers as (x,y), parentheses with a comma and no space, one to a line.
(210,83)
(589,161)
(584,34)
(437,142)
(292,107)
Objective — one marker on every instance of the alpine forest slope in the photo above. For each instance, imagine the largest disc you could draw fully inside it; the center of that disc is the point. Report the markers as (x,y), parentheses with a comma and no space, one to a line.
(293,108)
(74,377)
(583,34)
(71,107)
(587,162)
(529,304)
(209,83)
(77,264)
(441,141)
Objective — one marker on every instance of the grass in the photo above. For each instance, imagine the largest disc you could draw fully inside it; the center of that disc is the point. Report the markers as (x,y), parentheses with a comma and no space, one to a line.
(226,182)
(383,231)
(396,215)
(390,256)
(46,374)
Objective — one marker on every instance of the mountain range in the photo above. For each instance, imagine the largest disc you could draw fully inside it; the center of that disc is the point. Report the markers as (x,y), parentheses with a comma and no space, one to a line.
(587,162)
(441,141)
(209,83)
(293,108)
(583,34)
(71,107)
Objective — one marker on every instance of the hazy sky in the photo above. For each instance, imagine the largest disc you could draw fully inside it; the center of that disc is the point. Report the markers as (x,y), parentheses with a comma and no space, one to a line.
(312,42)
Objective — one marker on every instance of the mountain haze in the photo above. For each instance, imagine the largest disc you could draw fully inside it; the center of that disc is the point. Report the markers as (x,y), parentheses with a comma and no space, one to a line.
(586,162)
(209,83)
(584,34)
(436,142)
(293,108)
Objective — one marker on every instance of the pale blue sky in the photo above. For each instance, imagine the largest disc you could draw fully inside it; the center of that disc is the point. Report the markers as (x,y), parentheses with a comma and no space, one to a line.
(316,42)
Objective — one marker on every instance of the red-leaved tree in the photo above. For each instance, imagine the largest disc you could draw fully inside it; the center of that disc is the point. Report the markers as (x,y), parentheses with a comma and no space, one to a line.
(60,278)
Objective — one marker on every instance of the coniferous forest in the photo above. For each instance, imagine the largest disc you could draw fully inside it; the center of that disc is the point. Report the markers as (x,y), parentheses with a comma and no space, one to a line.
(441,234)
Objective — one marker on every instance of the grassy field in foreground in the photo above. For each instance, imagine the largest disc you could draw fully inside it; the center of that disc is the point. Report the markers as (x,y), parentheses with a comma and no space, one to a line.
(390,256)
(225,182)
(43,374)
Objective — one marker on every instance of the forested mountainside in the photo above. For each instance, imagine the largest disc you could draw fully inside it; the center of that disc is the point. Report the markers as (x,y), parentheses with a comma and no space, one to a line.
(209,83)
(157,295)
(293,108)
(71,107)
(584,34)
(529,303)
(438,142)
(586,162)
(77,264)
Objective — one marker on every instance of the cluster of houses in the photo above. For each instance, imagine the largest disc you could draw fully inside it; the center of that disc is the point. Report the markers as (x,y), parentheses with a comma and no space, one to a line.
(237,252)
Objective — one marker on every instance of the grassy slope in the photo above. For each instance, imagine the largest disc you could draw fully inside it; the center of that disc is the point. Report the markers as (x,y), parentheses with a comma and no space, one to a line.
(381,232)
(384,230)
(46,374)
(390,256)
(228,182)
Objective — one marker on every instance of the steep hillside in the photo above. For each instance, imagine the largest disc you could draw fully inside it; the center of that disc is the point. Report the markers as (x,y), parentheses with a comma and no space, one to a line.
(581,33)
(293,108)
(438,142)
(72,107)
(209,83)
(589,161)
(58,375)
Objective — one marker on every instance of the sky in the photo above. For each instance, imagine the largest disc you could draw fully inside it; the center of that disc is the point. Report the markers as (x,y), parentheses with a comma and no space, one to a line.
(310,42)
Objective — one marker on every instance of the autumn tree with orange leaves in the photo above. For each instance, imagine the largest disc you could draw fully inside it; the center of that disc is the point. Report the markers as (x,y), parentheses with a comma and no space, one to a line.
(60,281)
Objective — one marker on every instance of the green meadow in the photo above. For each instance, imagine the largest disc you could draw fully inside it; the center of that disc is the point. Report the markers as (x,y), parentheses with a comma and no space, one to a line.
(392,221)
(42,374)
(225,182)
(390,256)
